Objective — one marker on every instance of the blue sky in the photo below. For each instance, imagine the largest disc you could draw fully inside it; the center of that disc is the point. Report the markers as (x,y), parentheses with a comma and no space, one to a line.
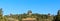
(37,6)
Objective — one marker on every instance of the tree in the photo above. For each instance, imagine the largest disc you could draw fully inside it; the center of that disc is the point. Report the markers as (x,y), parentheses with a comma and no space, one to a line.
(58,16)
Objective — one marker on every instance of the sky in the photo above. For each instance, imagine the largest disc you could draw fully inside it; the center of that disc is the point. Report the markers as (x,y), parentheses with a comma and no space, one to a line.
(37,6)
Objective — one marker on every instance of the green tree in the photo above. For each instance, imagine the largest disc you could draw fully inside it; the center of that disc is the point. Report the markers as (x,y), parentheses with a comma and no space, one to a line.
(58,16)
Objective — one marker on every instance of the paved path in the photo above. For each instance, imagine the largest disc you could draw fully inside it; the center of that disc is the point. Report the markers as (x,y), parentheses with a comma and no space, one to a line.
(12,19)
